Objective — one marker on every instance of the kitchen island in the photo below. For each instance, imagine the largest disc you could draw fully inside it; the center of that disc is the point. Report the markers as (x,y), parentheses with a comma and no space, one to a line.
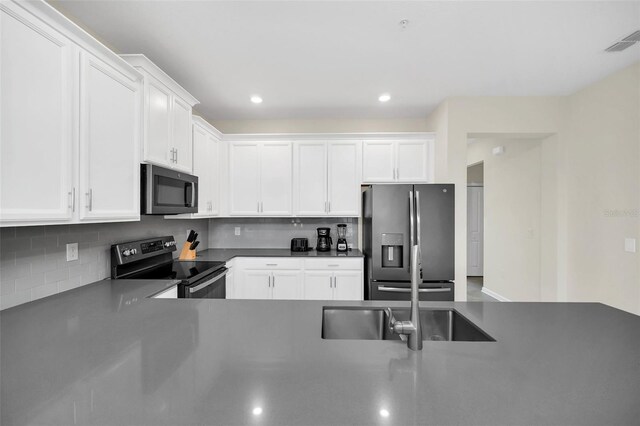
(106,354)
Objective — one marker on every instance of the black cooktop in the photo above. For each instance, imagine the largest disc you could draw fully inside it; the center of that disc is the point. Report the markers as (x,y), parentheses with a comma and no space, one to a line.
(186,271)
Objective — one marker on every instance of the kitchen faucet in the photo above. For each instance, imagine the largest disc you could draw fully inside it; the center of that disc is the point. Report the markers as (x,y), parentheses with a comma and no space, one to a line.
(411,328)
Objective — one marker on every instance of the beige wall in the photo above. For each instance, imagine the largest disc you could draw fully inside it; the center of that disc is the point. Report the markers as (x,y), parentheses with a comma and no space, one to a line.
(602,172)
(512,216)
(321,126)
(475,174)
(593,181)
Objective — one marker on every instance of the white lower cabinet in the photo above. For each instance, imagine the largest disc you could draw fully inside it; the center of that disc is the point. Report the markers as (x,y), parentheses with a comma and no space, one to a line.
(333,279)
(265,284)
(294,279)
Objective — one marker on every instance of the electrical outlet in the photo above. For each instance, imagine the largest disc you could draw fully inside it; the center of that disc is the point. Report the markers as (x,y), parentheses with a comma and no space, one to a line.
(237,230)
(630,245)
(72,252)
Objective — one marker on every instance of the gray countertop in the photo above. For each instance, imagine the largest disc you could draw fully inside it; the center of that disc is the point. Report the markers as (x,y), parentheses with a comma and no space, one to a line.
(228,254)
(105,354)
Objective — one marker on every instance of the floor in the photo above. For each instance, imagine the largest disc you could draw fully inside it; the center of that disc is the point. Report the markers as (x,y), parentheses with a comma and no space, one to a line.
(474,291)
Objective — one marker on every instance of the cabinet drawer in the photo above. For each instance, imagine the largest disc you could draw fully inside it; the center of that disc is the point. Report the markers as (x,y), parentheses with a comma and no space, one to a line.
(334,264)
(268,263)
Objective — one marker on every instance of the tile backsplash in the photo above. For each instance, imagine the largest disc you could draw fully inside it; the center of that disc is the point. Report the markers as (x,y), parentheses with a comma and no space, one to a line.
(33,259)
(274,232)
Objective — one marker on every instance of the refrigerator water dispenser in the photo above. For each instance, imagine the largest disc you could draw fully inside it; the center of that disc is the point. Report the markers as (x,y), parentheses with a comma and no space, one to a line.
(392,255)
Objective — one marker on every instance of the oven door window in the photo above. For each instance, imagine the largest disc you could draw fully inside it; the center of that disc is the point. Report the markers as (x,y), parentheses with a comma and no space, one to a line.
(172,192)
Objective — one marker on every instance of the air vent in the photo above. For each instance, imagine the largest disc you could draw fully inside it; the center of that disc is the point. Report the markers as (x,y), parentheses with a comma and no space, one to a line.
(632,37)
(626,42)
(620,46)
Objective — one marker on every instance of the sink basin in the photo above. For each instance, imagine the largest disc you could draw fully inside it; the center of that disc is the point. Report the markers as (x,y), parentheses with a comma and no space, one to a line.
(372,324)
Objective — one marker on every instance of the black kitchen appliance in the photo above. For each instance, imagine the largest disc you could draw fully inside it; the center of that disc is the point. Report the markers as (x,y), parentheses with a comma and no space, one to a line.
(299,244)
(152,259)
(165,191)
(342,245)
(397,217)
(324,239)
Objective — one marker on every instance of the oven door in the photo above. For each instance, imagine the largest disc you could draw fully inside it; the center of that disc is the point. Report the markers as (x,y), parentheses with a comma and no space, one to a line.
(166,191)
(387,290)
(210,287)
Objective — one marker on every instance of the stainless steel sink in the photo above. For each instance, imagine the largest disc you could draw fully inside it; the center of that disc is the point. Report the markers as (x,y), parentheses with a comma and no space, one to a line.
(372,324)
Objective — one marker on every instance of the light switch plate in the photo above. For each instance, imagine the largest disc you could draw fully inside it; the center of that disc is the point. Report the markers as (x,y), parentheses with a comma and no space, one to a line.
(237,230)
(630,245)
(72,252)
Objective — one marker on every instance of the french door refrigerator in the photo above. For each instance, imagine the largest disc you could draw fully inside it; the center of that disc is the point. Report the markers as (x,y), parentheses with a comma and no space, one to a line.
(396,216)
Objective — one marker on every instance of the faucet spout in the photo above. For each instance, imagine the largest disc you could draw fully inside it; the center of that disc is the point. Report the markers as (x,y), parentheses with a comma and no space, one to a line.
(412,328)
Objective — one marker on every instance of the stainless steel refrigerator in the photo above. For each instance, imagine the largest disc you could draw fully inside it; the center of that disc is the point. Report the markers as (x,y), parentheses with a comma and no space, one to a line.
(395,216)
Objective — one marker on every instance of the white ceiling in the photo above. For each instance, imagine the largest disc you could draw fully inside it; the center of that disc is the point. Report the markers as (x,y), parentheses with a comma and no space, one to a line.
(327,59)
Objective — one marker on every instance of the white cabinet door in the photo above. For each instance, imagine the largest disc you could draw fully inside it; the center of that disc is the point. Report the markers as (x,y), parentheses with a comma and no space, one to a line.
(344,179)
(230,285)
(254,285)
(412,160)
(378,162)
(348,285)
(202,168)
(158,121)
(275,178)
(36,79)
(286,285)
(317,285)
(181,132)
(244,178)
(109,142)
(310,178)
(214,168)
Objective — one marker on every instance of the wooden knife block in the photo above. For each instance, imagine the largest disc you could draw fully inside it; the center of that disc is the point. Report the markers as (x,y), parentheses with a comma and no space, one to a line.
(187,254)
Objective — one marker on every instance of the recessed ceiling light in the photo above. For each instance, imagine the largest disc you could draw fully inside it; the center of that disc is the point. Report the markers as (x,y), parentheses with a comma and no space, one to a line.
(256,411)
(256,99)
(384,97)
(384,413)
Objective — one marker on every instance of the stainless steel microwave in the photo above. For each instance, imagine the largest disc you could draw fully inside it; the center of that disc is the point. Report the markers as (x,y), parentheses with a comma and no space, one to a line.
(166,191)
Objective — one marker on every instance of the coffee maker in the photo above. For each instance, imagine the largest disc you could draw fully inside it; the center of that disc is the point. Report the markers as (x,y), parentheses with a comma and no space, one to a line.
(341,245)
(324,239)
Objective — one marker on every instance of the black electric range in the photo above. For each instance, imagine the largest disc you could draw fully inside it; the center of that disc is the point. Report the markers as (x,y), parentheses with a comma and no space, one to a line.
(152,258)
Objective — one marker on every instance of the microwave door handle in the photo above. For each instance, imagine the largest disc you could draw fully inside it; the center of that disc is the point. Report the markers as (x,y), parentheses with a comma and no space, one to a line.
(193,194)
(208,282)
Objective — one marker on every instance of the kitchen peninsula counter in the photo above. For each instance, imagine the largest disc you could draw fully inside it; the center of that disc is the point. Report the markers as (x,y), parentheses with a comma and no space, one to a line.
(106,354)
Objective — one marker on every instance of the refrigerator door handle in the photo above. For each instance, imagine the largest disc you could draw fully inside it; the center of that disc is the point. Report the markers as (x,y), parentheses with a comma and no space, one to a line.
(408,290)
(411,210)
(418,229)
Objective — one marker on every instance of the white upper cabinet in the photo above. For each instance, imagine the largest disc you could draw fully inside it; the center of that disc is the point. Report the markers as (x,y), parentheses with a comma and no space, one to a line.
(310,178)
(378,162)
(182,142)
(397,161)
(36,149)
(109,139)
(167,116)
(71,123)
(206,141)
(327,178)
(344,179)
(260,178)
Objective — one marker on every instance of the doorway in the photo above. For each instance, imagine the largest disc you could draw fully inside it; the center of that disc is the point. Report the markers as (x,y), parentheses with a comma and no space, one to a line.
(475,233)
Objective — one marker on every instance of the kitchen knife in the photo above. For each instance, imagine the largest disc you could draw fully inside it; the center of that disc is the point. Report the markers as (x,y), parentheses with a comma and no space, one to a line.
(194,245)
(191,237)
(195,236)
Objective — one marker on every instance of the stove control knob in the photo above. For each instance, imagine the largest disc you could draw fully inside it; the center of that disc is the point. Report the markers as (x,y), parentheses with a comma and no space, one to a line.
(167,244)
(134,251)
(126,252)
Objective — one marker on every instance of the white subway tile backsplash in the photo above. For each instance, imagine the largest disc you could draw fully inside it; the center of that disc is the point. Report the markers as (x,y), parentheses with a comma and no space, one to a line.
(33,259)
(30,281)
(44,290)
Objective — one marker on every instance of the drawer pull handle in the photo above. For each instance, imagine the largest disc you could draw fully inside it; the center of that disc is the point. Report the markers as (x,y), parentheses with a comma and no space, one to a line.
(272,264)
(334,266)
